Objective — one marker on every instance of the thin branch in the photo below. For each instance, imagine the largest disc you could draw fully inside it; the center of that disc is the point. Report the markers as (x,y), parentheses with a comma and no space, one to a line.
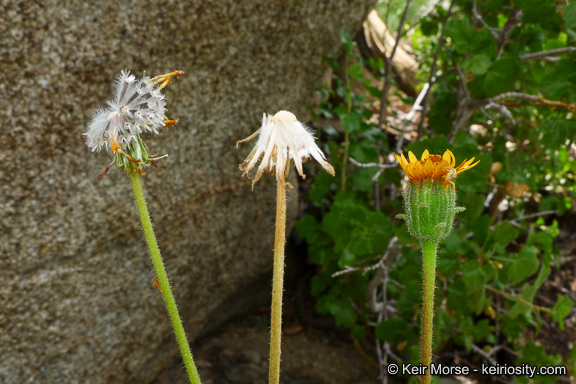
(382,167)
(364,270)
(533,215)
(544,54)
(392,354)
(526,96)
(383,314)
(410,115)
(514,19)
(372,165)
(515,221)
(518,299)
(417,103)
(503,110)
(388,68)
(379,264)
(478,17)
(481,352)
(432,78)
(388,7)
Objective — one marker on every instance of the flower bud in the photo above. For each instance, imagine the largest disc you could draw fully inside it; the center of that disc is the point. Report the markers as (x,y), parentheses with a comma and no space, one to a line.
(430,199)
(430,208)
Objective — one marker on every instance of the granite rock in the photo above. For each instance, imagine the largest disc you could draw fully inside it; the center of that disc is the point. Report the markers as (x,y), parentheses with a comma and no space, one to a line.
(77,303)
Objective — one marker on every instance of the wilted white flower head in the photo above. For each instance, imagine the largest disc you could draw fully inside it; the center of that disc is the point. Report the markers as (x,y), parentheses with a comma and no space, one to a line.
(138,107)
(282,138)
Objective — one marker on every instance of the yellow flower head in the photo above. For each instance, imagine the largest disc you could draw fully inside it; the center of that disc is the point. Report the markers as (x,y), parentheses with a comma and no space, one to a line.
(434,167)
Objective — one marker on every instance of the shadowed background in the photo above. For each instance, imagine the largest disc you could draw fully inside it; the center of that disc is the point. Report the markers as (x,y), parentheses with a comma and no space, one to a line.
(77,303)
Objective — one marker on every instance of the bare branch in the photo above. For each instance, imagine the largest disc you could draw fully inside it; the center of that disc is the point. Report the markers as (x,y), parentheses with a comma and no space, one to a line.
(503,110)
(410,115)
(515,221)
(372,165)
(514,19)
(481,352)
(512,95)
(478,17)
(465,106)
(432,78)
(526,96)
(533,215)
(379,264)
(544,54)
(388,68)
(388,7)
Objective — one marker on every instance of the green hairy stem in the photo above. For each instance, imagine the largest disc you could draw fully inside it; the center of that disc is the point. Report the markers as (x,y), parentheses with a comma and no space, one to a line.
(163,279)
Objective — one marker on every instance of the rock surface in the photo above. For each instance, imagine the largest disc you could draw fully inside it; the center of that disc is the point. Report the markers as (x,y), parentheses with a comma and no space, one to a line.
(77,303)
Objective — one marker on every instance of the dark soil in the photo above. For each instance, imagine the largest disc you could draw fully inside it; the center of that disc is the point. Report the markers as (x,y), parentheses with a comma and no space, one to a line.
(237,353)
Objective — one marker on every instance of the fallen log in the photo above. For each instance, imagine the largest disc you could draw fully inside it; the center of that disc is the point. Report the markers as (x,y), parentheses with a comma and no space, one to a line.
(375,41)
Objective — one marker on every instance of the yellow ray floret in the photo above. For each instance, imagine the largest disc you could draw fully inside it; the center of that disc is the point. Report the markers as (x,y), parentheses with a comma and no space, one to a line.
(434,167)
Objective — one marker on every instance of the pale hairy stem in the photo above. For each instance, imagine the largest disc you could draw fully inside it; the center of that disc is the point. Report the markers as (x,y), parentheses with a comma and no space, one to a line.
(277,284)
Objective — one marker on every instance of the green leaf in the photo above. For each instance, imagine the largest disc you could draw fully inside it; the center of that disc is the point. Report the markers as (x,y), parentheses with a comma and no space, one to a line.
(570,16)
(465,140)
(310,229)
(504,233)
(355,228)
(499,78)
(373,91)
(554,132)
(403,235)
(536,356)
(473,202)
(467,39)
(428,27)
(460,33)
(346,41)
(351,122)
(562,309)
(474,180)
(373,235)
(343,312)
(539,12)
(442,112)
(346,258)
(332,63)
(473,276)
(320,187)
(356,72)
(478,65)
(436,145)
(320,283)
(524,265)
(457,297)
(391,330)
(482,329)
(560,80)
(528,293)
(447,264)
(481,228)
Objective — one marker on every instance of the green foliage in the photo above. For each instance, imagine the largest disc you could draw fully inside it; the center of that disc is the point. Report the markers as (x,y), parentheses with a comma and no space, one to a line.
(562,309)
(536,356)
(498,78)
(496,260)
